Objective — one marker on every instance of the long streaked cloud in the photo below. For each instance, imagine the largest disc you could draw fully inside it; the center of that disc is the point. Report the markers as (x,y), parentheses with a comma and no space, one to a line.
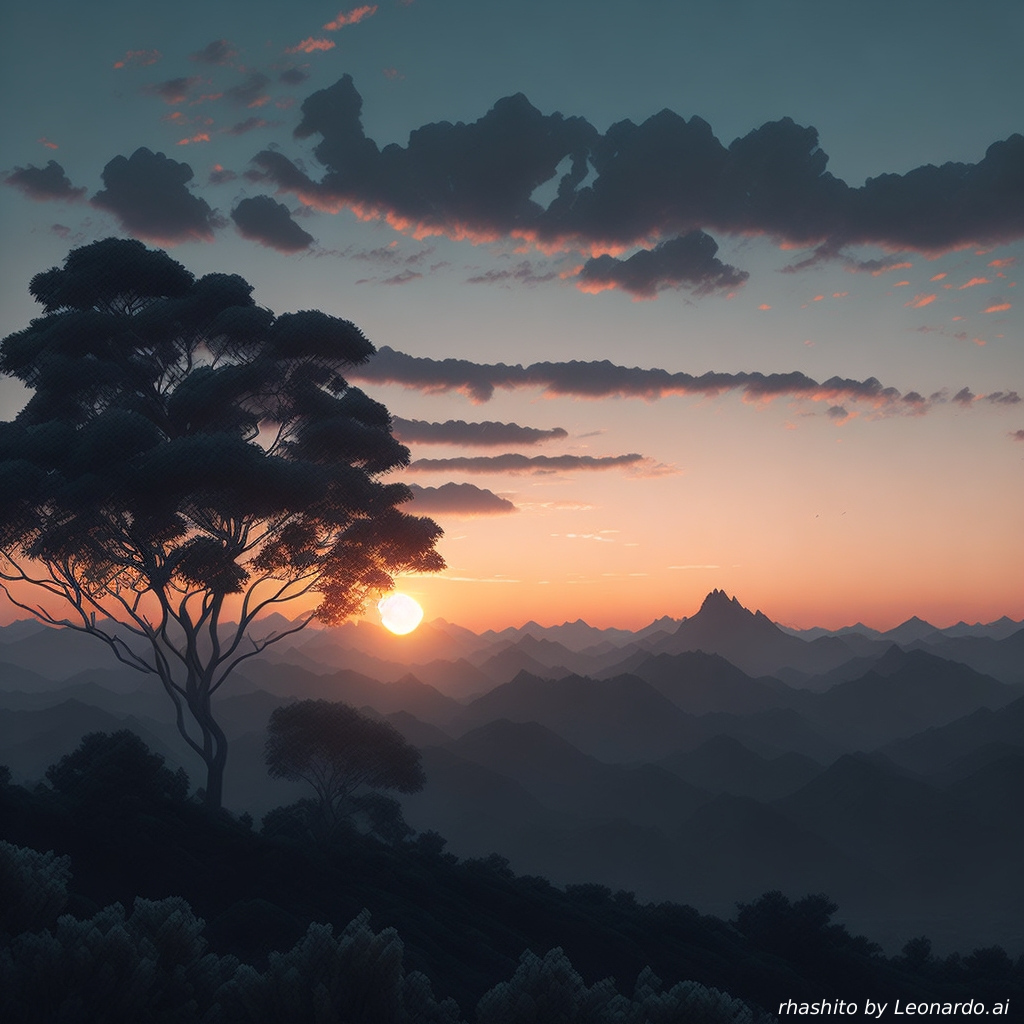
(458,500)
(605,379)
(148,194)
(44,183)
(353,17)
(640,184)
(460,432)
(514,463)
(263,220)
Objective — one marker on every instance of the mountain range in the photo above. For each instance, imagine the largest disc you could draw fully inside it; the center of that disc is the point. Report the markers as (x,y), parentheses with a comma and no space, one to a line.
(703,760)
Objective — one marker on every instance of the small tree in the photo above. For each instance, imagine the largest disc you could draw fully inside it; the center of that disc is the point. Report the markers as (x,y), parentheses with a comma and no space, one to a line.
(187,462)
(337,751)
(116,772)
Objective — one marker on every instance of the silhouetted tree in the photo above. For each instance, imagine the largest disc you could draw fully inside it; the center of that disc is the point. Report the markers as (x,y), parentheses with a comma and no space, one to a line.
(116,771)
(187,462)
(338,751)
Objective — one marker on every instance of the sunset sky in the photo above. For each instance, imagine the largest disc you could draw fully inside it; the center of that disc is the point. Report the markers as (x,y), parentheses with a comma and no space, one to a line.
(807,218)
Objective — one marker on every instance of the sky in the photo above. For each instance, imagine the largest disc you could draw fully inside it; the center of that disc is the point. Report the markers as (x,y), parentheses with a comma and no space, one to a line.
(667,296)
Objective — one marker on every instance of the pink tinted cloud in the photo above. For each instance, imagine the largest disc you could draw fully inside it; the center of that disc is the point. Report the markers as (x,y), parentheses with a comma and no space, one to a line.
(938,277)
(198,137)
(919,301)
(47,143)
(1001,307)
(1008,262)
(973,283)
(312,45)
(353,17)
(891,266)
(138,58)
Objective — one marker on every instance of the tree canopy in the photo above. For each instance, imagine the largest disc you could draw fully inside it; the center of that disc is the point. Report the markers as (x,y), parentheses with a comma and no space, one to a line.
(187,462)
(338,750)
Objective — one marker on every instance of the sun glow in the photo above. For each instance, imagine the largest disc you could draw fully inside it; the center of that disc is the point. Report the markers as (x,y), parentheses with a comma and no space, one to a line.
(399,613)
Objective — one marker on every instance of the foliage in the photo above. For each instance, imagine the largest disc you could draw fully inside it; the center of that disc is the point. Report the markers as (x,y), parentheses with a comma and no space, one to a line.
(549,989)
(338,750)
(116,772)
(187,456)
(33,888)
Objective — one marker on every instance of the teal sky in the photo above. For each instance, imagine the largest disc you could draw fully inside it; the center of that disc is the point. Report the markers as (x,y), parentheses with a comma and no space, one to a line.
(819,506)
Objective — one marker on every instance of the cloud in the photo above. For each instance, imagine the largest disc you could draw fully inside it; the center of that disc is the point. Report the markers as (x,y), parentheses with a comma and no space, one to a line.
(44,183)
(402,277)
(523,272)
(642,184)
(514,463)
(353,17)
(312,45)
(250,124)
(1002,398)
(974,282)
(920,301)
(293,76)
(220,176)
(138,58)
(270,223)
(174,90)
(458,500)
(605,379)
(689,260)
(147,193)
(475,434)
(250,92)
(1017,435)
(220,51)
(999,307)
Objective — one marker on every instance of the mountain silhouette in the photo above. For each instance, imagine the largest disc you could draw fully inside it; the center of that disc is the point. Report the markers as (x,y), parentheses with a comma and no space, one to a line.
(750,640)
(564,778)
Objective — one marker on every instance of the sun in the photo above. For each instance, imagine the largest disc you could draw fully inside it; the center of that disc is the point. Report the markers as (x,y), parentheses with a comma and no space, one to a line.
(399,613)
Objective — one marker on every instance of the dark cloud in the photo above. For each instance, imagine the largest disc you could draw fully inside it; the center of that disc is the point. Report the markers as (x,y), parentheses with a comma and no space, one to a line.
(1002,398)
(523,273)
(219,176)
(1017,435)
(662,179)
(249,93)
(270,223)
(837,412)
(476,434)
(147,193)
(605,379)
(250,124)
(42,183)
(964,396)
(391,255)
(689,260)
(402,277)
(514,463)
(220,51)
(293,76)
(174,90)
(458,500)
